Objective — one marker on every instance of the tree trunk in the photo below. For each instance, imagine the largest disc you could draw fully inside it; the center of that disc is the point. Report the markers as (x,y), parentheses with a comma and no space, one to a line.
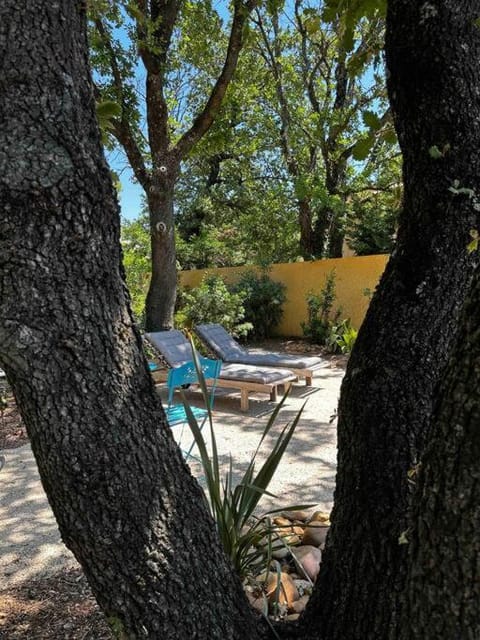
(307,238)
(335,241)
(443,588)
(160,302)
(328,234)
(386,402)
(125,501)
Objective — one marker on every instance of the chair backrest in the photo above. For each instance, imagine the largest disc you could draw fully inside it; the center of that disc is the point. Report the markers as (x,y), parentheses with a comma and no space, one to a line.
(187,374)
(172,345)
(219,340)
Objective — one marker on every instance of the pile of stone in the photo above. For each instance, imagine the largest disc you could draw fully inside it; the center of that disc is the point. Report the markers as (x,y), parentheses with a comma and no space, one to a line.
(293,553)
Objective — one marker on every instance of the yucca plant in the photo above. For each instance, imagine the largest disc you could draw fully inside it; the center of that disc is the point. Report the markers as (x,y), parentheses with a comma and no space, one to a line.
(232,505)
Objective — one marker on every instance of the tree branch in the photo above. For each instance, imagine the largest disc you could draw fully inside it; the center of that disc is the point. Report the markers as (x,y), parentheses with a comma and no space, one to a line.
(155,22)
(271,57)
(121,126)
(205,119)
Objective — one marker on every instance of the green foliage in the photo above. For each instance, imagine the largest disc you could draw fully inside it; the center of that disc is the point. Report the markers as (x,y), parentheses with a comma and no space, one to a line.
(210,247)
(135,238)
(107,110)
(473,244)
(372,231)
(324,325)
(341,337)
(263,300)
(349,13)
(232,505)
(320,312)
(212,301)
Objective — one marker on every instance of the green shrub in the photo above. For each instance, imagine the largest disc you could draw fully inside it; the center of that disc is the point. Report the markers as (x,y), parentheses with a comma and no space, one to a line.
(342,337)
(212,301)
(324,325)
(321,317)
(263,300)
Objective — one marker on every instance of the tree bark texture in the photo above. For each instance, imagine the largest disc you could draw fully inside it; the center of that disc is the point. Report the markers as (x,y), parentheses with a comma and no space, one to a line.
(160,302)
(432,54)
(124,499)
(443,587)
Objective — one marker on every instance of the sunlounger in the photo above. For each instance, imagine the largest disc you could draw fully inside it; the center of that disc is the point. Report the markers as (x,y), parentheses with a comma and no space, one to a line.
(175,350)
(223,346)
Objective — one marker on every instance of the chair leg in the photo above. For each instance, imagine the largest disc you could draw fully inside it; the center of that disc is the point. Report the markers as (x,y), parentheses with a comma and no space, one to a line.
(243,400)
(273,394)
(308,381)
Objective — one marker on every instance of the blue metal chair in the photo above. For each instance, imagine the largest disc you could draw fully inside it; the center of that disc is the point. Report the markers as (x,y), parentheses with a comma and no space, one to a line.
(185,375)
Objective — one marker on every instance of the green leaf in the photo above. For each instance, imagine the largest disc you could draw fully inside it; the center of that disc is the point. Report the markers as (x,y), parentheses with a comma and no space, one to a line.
(312,25)
(108,109)
(403,538)
(473,245)
(389,135)
(435,153)
(372,120)
(329,12)
(362,148)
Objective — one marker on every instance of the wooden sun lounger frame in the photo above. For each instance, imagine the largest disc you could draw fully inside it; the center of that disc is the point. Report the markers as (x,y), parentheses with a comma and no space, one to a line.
(303,373)
(245,387)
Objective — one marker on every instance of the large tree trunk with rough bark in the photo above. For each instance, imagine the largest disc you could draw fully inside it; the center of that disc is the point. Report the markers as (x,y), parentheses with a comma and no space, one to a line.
(124,499)
(432,53)
(443,587)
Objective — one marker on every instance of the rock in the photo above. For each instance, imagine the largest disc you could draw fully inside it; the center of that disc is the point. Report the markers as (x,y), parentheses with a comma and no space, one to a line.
(258,602)
(315,534)
(293,617)
(288,591)
(280,553)
(321,516)
(279,542)
(302,516)
(270,542)
(309,557)
(299,605)
(285,529)
(304,587)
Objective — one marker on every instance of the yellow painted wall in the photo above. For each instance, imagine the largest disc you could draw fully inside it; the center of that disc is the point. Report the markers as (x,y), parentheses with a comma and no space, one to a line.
(353,276)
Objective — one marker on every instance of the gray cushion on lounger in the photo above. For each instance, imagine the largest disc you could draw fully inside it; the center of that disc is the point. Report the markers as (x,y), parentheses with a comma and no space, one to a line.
(222,343)
(247,373)
(176,350)
(173,346)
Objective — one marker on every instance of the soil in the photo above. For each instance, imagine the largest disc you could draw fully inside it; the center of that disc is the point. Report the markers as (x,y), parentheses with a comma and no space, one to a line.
(12,430)
(61,606)
(58,607)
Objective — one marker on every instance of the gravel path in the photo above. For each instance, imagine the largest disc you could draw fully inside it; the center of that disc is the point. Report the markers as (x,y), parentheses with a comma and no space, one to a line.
(30,545)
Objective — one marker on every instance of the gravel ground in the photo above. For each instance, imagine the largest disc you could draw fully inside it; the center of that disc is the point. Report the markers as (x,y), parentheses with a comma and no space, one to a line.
(30,545)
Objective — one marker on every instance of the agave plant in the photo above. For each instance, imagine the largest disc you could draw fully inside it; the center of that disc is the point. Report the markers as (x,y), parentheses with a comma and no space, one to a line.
(232,505)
